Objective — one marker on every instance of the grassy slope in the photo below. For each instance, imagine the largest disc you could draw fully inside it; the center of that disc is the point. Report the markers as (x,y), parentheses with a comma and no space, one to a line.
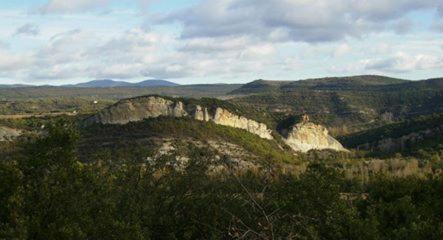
(184,128)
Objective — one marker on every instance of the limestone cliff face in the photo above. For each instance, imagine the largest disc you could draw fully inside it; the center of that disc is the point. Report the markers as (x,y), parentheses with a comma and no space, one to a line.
(306,136)
(224,117)
(301,137)
(201,114)
(7,134)
(137,109)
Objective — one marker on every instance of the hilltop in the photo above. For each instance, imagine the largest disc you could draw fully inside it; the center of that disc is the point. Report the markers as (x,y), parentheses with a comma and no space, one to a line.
(108,83)
(303,137)
(329,83)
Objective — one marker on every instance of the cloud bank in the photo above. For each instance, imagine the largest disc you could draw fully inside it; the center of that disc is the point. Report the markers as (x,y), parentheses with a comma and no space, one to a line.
(72,6)
(223,40)
(296,20)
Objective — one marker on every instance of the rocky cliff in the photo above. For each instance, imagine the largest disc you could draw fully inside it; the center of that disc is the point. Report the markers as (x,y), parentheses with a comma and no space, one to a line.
(306,136)
(301,137)
(137,109)
(7,133)
(226,118)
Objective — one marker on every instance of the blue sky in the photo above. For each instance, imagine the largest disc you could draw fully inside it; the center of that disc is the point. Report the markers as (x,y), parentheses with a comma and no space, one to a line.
(208,41)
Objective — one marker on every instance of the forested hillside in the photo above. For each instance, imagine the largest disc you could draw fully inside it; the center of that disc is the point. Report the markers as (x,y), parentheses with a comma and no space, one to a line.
(159,167)
(346,105)
(46,192)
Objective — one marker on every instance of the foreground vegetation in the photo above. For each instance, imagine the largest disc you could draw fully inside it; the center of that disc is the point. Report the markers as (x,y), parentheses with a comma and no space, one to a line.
(47,193)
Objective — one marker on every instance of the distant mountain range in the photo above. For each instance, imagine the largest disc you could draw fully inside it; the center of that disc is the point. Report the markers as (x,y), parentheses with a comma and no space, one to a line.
(14,85)
(108,83)
(103,83)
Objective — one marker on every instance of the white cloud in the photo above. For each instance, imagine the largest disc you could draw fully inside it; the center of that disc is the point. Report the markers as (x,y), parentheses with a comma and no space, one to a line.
(403,25)
(13,64)
(144,4)
(403,62)
(132,54)
(28,29)
(66,47)
(228,47)
(291,63)
(81,6)
(234,40)
(381,10)
(382,48)
(258,51)
(438,25)
(72,6)
(343,49)
(3,45)
(211,45)
(296,20)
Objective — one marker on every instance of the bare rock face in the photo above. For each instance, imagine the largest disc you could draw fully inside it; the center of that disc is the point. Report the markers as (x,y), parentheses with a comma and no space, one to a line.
(301,137)
(201,114)
(224,117)
(7,134)
(137,109)
(306,136)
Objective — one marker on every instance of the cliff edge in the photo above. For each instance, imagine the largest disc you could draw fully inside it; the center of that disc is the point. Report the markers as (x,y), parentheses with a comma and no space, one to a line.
(140,108)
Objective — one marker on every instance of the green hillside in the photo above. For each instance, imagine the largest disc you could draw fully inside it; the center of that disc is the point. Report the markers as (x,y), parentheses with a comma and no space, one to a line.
(47,192)
(260,86)
(330,83)
(394,130)
(127,140)
(348,105)
(343,83)
(423,135)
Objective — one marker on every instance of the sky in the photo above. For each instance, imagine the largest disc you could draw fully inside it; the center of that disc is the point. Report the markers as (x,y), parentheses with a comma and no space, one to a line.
(217,41)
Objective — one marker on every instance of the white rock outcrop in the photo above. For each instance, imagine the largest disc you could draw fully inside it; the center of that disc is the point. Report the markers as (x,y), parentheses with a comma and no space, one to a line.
(137,109)
(306,136)
(301,137)
(226,118)
(201,114)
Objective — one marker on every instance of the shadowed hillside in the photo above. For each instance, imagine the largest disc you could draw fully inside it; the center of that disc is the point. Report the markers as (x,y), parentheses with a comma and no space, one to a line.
(345,104)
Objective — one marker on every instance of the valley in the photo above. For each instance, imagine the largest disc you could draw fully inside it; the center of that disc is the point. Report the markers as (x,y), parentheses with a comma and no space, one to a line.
(221,119)
(298,120)
(262,150)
